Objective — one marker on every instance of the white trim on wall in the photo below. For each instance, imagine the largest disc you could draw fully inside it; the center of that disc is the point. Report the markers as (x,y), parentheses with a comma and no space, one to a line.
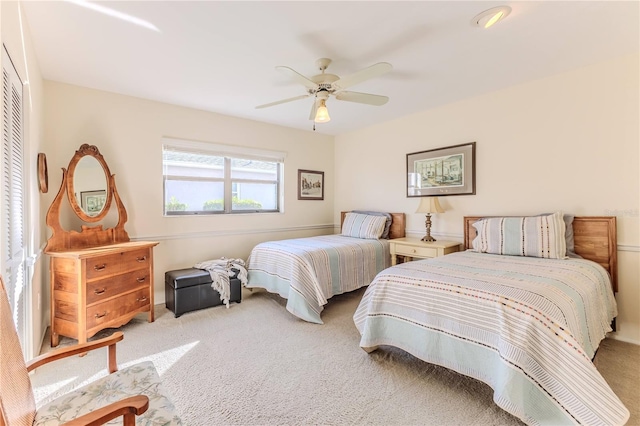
(213,234)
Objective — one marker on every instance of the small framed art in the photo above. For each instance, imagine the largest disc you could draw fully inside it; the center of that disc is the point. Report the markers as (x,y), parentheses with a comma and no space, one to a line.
(310,185)
(92,202)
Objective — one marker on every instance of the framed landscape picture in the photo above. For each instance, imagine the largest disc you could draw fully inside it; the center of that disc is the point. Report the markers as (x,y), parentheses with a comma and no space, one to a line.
(442,171)
(92,202)
(310,185)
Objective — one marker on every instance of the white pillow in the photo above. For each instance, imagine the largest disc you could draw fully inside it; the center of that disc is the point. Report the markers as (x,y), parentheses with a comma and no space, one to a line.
(363,226)
(534,236)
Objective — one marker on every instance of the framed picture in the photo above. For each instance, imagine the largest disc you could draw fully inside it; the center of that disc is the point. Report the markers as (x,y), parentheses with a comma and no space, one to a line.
(442,171)
(310,185)
(92,202)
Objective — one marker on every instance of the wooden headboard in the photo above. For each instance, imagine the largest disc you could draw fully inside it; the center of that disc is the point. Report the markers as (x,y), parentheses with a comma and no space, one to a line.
(396,230)
(594,236)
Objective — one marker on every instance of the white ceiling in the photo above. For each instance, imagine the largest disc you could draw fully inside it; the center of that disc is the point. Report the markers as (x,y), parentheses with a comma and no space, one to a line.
(221,56)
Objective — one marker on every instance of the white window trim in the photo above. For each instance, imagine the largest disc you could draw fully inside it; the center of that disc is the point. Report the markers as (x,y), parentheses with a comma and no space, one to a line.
(221,149)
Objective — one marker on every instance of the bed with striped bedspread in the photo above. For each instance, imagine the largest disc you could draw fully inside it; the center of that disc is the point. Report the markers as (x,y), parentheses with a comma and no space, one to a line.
(309,271)
(528,327)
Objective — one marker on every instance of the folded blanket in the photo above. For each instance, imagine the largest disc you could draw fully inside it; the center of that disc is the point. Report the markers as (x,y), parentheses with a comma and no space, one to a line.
(220,271)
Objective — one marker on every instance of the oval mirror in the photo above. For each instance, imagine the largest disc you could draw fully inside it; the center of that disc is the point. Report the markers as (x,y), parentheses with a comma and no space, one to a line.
(88,186)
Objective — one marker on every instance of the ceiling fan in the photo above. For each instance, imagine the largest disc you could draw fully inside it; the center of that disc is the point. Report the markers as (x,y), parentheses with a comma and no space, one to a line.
(324,85)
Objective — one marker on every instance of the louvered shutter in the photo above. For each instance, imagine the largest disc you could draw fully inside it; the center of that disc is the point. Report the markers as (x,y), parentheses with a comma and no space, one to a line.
(12,213)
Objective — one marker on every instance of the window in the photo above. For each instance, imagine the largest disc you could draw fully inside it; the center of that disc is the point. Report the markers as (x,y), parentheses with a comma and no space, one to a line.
(12,205)
(202,178)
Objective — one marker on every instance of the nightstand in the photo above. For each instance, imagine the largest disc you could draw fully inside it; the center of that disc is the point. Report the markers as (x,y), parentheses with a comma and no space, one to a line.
(415,248)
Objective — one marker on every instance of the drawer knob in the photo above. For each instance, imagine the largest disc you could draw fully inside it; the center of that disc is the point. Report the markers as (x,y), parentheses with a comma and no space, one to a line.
(101,315)
(415,251)
(100,267)
(101,291)
(141,280)
(141,299)
(141,259)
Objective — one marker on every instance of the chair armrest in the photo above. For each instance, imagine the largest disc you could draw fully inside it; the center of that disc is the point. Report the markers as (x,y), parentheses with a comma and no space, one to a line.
(128,407)
(80,349)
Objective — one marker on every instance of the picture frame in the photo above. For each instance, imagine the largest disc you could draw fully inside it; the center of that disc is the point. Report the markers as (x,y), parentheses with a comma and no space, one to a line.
(443,171)
(92,202)
(310,185)
(43,173)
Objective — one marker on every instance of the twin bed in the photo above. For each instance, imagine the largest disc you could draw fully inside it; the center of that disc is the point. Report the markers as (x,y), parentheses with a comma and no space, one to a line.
(309,271)
(528,323)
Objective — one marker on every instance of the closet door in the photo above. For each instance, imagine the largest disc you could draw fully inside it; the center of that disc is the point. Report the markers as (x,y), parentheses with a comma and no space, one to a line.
(12,191)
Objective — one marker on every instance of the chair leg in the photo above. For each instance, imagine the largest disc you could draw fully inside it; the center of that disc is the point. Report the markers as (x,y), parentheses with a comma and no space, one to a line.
(129,419)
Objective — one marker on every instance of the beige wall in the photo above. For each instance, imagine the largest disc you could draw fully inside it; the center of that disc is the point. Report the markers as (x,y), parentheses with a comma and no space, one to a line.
(568,142)
(16,38)
(128,132)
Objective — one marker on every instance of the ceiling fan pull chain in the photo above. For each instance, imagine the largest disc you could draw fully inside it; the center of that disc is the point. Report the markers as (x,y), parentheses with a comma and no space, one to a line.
(315,100)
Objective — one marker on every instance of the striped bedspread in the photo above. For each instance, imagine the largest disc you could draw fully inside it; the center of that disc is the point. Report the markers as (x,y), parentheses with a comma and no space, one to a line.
(308,271)
(528,327)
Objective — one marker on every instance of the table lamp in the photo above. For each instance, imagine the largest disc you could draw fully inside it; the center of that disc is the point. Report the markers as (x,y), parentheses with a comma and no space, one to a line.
(429,205)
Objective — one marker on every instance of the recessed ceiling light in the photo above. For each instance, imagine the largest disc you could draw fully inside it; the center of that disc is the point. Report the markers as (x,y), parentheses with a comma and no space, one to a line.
(491,16)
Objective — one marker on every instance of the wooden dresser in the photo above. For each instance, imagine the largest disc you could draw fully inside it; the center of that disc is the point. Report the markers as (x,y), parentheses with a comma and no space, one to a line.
(99,278)
(101,287)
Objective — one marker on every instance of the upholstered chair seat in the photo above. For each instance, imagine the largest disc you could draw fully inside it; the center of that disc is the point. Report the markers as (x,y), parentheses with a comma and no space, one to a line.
(140,379)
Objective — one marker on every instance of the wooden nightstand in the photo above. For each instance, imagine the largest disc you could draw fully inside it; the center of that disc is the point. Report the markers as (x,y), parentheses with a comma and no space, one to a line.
(415,248)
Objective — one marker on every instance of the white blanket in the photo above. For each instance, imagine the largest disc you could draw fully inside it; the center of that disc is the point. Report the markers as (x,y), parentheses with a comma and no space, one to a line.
(220,270)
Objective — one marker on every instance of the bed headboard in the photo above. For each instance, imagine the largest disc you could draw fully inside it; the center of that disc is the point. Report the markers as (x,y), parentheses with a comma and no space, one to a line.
(594,236)
(397,228)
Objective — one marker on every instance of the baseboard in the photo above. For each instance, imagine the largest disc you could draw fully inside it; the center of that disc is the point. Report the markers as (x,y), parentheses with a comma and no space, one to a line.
(615,336)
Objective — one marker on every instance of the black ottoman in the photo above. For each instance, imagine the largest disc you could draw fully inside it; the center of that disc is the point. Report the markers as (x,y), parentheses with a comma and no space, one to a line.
(187,290)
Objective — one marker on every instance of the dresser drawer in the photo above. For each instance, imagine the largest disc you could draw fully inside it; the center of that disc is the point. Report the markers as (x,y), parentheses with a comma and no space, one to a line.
(416,251)
(107,288)
(117,263)
(110,310)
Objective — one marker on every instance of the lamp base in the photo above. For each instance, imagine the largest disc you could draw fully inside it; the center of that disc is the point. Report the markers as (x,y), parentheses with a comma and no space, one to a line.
(428,238)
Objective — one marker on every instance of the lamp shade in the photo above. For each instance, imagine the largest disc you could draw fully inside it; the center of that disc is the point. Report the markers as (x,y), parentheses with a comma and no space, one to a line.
(322,114)
(429,205)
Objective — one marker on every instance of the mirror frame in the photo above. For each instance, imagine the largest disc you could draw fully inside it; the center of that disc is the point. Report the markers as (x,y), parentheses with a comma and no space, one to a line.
(88,151)
(89,236)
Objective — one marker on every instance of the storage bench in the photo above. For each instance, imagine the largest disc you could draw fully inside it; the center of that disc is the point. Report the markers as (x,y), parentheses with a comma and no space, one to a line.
(189,289)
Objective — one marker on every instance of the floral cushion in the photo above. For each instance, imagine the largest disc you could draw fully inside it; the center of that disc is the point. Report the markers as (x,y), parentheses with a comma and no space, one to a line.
(138,379)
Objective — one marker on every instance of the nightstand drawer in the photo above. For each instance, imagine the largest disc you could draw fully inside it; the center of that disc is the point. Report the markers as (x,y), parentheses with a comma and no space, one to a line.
(416,251)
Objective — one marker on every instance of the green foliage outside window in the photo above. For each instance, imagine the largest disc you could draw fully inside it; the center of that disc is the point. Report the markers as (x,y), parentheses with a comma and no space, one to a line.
(175,206)
(237,204)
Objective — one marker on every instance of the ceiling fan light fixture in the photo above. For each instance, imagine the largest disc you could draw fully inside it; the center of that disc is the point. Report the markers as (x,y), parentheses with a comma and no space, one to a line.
(491,16)
(322,114)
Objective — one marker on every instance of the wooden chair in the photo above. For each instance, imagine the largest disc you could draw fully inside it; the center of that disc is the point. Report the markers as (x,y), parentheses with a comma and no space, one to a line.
(131,392)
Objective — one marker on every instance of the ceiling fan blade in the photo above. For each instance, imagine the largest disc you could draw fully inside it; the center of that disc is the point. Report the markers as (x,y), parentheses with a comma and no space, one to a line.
(362,75)
(299,77)
(282,101)
(362,98)
(314,106)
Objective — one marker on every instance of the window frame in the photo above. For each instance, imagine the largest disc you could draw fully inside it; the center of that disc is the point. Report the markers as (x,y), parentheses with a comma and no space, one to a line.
(228,153)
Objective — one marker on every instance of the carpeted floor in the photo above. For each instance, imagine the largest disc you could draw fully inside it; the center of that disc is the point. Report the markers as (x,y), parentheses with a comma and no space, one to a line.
(256,364)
